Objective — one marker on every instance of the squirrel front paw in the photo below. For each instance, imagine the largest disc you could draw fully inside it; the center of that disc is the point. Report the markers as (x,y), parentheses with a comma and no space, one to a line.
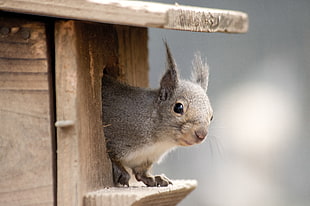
(162,181)
(154,181)
(120,175)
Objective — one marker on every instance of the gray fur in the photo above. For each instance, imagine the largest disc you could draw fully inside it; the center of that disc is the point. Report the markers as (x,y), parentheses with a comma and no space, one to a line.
(200,72)
(141,125)
(170,80)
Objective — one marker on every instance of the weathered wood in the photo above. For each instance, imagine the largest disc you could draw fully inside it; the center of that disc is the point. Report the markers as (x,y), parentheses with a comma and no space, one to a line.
(26,152)
(81,56)
(133,55)
(24,81)
(136,13)
(82,162)
(141,196)
(206,20)
(17,66)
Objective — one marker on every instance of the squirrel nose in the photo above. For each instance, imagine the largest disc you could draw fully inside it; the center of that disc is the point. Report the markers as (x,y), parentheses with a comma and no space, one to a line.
(201,133)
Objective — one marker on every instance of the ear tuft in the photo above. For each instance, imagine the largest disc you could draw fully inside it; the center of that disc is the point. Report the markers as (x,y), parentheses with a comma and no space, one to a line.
(170,80)
(200,71)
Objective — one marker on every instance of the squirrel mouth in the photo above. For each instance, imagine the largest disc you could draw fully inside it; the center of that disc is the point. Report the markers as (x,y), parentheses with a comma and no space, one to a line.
(184,142)
(191,138)
(189,141)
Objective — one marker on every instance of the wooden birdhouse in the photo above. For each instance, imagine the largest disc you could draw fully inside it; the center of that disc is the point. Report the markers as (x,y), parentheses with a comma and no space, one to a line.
(52,57)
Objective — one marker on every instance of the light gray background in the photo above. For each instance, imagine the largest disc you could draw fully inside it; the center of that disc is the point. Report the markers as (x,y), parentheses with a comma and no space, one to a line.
(258,148)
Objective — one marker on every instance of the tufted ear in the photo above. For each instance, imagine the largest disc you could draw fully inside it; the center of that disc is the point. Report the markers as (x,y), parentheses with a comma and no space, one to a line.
(170,80)
(200,71)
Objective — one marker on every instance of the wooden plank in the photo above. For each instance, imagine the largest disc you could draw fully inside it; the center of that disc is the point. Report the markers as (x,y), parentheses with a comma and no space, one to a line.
(141,196)
(133,55)
(26,155)
(83,164)
(14,65)
(23,81)
(31,45)
(136,13)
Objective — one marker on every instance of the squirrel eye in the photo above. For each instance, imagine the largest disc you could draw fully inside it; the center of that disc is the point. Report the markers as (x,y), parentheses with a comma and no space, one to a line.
(178,108)
(211,118)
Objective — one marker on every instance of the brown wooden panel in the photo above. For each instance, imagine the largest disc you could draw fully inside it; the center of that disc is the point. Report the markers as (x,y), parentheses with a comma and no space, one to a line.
(136,13)
(18,65)
(23,81)
(133,55)
(83,50)
(26,174)
(20,39)
(141,196)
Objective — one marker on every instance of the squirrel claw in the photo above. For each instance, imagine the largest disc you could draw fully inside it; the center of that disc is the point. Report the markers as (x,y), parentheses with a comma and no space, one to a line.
(154,181)
(120,175)
(124,179)
(162,181)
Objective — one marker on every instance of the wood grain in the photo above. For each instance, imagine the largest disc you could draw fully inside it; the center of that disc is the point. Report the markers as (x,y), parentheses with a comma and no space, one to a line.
(141,196)
(136,13)
(133,55)
(81,57)
(26,153)
(83,164)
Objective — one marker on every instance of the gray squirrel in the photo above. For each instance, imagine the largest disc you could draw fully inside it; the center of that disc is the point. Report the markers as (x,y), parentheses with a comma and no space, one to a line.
(141,125)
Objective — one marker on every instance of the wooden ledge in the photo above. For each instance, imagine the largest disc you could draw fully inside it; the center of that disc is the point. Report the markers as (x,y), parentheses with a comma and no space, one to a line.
(138,196)
(135,13)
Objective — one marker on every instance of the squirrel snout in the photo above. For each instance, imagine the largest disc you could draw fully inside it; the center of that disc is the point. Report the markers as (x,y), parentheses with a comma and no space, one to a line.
(201,133)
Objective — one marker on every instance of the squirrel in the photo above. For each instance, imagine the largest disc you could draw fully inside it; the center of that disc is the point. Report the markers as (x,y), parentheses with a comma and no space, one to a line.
(144,124)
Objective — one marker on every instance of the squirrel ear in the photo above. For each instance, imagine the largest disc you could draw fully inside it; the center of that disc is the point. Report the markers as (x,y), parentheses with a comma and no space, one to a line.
(170,80)
(200,71)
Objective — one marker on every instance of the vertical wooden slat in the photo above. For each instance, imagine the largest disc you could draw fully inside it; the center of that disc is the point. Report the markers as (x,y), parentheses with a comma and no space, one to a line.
(26,174)
(133,55)
(83,51)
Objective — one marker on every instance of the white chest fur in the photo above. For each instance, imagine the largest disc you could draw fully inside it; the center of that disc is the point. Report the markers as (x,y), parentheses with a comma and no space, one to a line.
(151,153)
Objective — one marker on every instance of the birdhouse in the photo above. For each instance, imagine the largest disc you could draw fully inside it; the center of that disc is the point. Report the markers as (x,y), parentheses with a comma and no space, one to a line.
(52,57)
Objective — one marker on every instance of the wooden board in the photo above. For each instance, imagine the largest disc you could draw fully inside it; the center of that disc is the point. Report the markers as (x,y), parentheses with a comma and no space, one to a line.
(26,150)
(141,196)
(135,13)
(133,55)
(83,50)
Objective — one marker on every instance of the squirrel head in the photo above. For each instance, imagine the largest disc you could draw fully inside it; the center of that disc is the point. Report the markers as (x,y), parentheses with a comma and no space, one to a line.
(183,106)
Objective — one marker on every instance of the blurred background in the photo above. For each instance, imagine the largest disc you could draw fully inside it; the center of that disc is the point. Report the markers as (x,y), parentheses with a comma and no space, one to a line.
(258,148)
